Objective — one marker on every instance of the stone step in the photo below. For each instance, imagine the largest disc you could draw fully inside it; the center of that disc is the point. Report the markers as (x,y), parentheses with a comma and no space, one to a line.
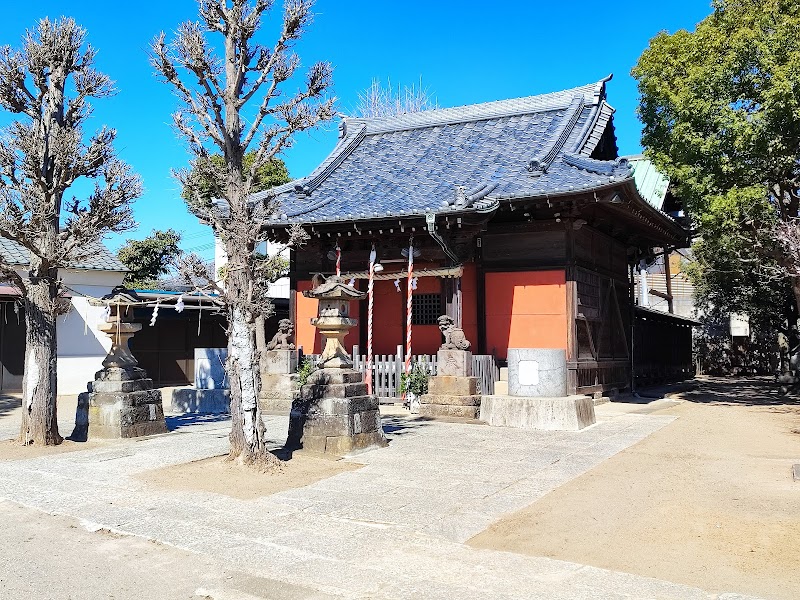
(335,406)
(328,376)
(448,410)
(474,400)
(313,391)
(130,385)
(452,386)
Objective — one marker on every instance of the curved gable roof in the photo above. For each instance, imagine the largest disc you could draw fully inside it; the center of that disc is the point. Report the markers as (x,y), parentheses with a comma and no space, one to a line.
(458,159)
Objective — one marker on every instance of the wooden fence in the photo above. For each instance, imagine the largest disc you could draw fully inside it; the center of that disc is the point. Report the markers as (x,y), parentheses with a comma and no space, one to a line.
(387,369)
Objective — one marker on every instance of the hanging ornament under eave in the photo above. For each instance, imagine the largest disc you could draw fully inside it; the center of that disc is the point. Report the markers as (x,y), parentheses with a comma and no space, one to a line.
(179,305)
(155,315)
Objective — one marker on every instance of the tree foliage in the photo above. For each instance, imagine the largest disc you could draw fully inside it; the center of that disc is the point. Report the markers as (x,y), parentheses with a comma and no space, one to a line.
(238,102)
(150,258)
(721,105)
(721,113)
(204,181)
(47,84)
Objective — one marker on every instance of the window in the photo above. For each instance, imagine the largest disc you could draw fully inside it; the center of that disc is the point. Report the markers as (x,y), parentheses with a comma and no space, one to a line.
(426,309)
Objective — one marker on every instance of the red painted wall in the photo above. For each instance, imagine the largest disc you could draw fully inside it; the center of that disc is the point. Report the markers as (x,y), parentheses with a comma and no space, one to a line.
(387,319)
(526,310)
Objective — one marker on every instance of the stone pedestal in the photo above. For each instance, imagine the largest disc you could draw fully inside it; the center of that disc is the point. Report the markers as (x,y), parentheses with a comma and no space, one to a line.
(278,377)
(333,414)
(121,404)
(537,394)
(537,372)
(451,396)
(208,402)
(569,413)
(454,363)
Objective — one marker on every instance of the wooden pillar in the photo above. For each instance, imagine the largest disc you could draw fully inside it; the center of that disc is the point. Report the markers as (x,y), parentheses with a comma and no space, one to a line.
(293,287)
(572,314)
(480,292)
(668,277)
(451,289)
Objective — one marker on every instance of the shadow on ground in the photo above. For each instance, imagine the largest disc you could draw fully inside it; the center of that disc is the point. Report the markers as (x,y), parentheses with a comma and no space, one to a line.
(176,422)
(8,403)
(395,426)
(741,391)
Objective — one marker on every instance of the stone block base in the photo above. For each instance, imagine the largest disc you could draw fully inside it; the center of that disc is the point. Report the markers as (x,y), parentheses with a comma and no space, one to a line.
(121,403)
(449,410)
(452,386)
(451,396)
(569,413)
(341,445)
(332,415)
(191,400)
(278,362)
(457,363)
(277,393)
(119,415)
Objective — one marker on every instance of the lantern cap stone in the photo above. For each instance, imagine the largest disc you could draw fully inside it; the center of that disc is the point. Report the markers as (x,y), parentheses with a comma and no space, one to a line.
(119,295)
(334,287)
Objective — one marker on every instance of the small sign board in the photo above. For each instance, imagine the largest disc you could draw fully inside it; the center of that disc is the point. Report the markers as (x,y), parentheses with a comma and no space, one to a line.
(529,372)
(740,325)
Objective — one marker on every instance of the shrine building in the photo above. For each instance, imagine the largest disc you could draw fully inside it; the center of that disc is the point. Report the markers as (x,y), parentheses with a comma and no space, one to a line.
(526,228)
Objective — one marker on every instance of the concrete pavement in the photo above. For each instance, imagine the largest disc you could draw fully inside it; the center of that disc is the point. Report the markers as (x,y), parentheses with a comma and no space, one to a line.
(393,529)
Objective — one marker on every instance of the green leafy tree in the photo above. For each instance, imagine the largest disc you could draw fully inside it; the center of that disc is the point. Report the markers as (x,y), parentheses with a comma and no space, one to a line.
(204,182)
(150,258)
(721,113)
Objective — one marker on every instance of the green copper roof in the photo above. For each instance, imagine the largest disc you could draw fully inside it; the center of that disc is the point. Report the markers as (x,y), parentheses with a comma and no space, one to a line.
(650,182)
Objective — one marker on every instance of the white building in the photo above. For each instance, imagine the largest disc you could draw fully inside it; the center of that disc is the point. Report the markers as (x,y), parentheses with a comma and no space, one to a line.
(81,347)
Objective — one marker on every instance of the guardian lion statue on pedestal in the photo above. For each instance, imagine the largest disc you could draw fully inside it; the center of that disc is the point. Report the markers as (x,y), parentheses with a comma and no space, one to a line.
(454,338)
(283,339)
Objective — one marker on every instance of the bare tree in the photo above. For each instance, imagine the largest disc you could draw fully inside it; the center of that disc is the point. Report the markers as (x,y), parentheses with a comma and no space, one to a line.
(47,83)
(380,101)
(215,91)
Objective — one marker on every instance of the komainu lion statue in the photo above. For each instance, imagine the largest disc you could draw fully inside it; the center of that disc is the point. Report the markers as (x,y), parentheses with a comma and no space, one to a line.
(454,338)
(283,339)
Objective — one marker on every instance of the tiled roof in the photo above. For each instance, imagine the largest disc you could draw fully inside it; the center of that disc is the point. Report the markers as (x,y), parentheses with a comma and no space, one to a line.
(98,257)
(651,183)
(455,160)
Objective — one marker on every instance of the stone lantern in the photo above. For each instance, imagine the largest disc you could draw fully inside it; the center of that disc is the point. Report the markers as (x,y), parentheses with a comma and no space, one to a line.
(121,401)
(334,320)
(333,413)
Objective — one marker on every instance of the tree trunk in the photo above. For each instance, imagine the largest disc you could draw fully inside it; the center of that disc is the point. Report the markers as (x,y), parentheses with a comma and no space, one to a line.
(248,434)
(794,335)
(39,387)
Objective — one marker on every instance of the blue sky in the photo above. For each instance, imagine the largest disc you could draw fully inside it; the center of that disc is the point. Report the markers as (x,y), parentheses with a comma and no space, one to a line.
(464,52)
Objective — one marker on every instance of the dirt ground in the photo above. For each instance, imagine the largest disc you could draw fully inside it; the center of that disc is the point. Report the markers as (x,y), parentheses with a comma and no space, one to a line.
(13,450)
(221,476)
(707,501)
